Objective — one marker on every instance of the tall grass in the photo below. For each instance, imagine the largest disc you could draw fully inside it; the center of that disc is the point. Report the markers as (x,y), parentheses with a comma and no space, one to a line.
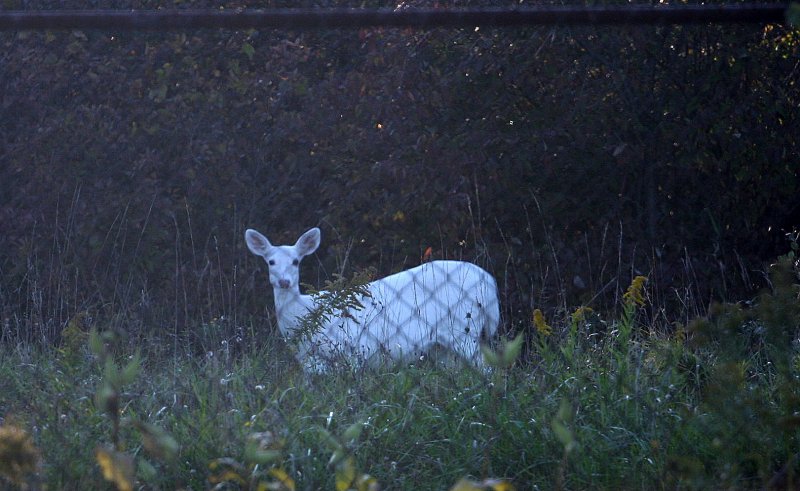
(711,405)
(186,391)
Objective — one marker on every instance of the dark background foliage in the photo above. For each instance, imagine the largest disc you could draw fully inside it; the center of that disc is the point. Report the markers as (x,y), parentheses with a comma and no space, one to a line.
(565,160)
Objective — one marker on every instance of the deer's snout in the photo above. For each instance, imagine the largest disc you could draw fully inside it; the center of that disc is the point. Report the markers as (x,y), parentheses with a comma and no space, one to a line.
(283,283)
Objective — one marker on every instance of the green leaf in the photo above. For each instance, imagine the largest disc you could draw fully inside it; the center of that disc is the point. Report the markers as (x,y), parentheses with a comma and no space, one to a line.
(111,373)
(563,434)
(248,50)
(511,350)
(96,343)
(329,440)
(793,14)
(262,456)
(336,457)
(354,431)
(131,370)
(490,356)
(107,400)
(159,93)
(157,441)
(561,426)
(145,470)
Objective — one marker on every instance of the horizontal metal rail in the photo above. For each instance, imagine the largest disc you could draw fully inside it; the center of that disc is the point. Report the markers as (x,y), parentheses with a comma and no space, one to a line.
(325,18)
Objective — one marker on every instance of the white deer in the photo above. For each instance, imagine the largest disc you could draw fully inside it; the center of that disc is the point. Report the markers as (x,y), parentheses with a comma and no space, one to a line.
(448,304)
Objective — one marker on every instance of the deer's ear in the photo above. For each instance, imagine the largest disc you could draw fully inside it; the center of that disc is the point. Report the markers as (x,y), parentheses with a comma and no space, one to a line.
(257,243)
(308,242)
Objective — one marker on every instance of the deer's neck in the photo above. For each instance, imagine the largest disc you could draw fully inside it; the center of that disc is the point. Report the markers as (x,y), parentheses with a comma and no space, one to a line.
(290,304)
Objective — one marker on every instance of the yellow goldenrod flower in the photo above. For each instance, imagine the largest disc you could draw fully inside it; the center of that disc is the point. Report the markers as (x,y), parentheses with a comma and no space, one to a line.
(635,293)
(117,467)
(580,314)
(680,332)
(539,323)
(19,458)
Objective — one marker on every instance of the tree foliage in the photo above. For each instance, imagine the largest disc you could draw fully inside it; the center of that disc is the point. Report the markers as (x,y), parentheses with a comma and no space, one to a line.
(560,158)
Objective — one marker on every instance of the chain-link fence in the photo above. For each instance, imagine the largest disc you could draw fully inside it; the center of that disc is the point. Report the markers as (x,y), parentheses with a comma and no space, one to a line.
(325,18)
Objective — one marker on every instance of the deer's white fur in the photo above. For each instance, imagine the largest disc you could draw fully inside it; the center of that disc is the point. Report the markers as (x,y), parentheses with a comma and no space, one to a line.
(451,304)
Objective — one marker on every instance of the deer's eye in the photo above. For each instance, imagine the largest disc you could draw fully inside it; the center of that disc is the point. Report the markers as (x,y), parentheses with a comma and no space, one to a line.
(271,262)
(296,262)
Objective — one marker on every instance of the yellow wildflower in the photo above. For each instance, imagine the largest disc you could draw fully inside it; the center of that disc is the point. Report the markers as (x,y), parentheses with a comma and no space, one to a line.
(580,314)
(635,293)
(680,332)
(19,458)
(117,467)
(540,324)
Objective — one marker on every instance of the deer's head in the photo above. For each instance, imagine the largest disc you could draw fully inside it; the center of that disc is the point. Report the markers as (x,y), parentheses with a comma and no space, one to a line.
(283,261)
